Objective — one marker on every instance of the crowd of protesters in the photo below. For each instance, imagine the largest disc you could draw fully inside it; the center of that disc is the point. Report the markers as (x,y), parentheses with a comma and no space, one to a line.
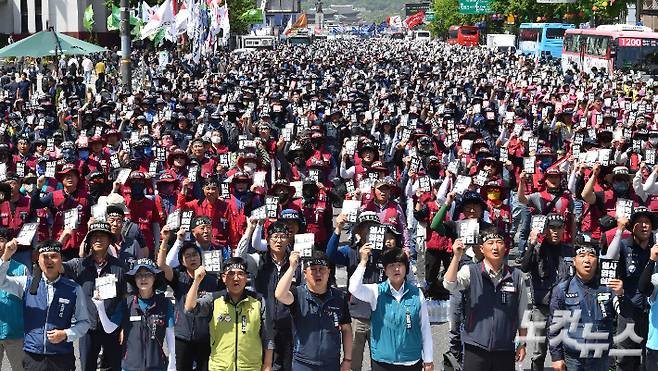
(197,221)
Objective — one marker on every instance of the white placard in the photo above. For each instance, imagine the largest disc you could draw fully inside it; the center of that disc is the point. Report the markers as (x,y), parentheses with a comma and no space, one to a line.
(462,183)
(186,219)
(51,168)
(259,178)
(192,174)
(123,175)
(106,287)
(98,211)
(608,270)
(376,236)
(213,261)
(173,220)
(71,218)
(304,244)
(538,222)
(27,233)
(623,208)
(468,230)
(351,209)
(529,165)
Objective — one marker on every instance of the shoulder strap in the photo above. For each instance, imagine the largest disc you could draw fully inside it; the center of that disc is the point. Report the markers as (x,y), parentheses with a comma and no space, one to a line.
(552,204)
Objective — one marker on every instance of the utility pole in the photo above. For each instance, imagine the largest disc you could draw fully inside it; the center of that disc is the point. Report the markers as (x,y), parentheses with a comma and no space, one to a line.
(124,31)
(319,14)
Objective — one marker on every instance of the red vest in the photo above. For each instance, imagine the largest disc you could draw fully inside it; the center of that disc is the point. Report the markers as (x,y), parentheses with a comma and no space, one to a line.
(433,240)
(237,222)
(391,215)
(14,221)
(144,213)
(80,200)
(217,213)
(315,215)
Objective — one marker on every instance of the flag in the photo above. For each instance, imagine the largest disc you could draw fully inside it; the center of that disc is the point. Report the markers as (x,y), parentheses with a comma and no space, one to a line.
(182,18)
(88,19)
(382,27)
(163,17)
(301,22)
(114,19)
(288,26)
(415,19)
(147,12)
(394,21)
(226,24)
(216,14)
(253,16)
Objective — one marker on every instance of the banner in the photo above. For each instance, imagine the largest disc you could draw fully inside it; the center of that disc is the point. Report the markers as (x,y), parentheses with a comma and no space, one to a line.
(253,16)
(394,21)
(88,19)
(475,7)
(415,19)
(114,19)
(301,22)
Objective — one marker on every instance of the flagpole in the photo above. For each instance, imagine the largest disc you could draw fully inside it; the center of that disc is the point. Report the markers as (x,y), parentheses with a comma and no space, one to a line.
(124,30)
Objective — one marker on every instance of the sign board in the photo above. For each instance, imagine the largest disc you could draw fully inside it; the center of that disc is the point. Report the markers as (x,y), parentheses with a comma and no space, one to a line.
(413,8)
(475,7)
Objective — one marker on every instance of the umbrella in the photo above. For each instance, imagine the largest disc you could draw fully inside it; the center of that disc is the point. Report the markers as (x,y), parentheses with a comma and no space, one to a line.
(47,43)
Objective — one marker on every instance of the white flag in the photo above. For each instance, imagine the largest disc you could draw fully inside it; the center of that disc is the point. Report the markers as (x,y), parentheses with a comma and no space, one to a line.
(147,12)
(182,18)
(163,17)
(226,25)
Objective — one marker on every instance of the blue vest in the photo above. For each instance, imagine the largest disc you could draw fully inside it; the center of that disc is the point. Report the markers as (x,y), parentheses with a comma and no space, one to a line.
(491,312)
(317,336)
(595,304)
(144,334)
(41,317)
(395,334)
(11,307)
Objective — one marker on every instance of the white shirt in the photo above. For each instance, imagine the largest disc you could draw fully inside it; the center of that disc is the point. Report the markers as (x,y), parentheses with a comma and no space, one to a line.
(370,292)
(87,65)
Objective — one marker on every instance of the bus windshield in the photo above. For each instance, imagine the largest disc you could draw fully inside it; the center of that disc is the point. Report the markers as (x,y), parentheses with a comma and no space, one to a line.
(639,58)
(469,31)
(528,34)
(555,33)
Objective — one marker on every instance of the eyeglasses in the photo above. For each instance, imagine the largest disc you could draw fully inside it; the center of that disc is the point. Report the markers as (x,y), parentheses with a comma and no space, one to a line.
(143,275)
(319,270)
(232,274)
(279,237)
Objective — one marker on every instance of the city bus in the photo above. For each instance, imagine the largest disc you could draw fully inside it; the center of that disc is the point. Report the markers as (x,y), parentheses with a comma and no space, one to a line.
(463,35)
(611,47)
(542,39)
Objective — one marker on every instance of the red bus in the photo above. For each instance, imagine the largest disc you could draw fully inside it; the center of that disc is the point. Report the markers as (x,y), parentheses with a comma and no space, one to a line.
(612,48)
(463,35)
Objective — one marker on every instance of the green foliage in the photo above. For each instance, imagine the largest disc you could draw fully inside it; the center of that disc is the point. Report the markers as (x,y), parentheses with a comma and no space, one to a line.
(235,9)
(446,14)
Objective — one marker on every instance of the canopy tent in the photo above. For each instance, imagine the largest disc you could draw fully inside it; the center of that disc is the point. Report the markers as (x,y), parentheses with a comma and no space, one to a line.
(49,43)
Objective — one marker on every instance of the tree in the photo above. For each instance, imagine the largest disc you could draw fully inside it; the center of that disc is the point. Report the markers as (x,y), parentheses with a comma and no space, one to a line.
(446,14)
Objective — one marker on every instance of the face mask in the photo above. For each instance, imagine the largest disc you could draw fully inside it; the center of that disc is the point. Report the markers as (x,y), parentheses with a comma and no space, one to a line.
(620,188)
(545,165)
(137,190)
(216,139)
(29,188)
(653,141)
